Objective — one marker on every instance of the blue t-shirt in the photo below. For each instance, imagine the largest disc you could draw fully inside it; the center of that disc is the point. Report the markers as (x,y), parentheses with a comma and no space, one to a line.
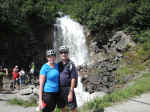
(51,78)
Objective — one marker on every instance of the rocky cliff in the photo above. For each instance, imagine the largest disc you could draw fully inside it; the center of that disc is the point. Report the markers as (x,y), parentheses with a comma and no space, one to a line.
(100,75)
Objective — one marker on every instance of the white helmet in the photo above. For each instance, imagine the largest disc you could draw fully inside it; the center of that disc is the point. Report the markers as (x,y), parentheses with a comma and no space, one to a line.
(63,49)
(51,52)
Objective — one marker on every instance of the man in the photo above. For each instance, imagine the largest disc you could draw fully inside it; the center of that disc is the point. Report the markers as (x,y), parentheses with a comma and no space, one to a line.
(67,81)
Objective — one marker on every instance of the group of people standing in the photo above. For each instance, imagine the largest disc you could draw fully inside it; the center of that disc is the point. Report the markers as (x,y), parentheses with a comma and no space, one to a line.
(16,77)
(57,82)
(19,76)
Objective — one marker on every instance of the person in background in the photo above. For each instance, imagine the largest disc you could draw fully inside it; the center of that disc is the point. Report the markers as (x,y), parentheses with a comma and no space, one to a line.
(3,72)
(67,81)
(15,74)
(32,72)
(22,77)
(49,83)
(32,68)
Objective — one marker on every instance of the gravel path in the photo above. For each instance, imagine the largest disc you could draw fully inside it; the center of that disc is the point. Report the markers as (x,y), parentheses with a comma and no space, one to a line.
(138,104)
(5,107)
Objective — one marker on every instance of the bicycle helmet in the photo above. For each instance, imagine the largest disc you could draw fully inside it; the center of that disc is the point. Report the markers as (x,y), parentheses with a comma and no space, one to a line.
(63,49)
(51,52)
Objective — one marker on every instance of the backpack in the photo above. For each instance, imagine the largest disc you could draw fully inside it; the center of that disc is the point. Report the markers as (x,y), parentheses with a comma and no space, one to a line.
(70,66)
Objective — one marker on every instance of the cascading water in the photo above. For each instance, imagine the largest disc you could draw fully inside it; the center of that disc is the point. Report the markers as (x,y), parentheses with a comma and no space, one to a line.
(70,33)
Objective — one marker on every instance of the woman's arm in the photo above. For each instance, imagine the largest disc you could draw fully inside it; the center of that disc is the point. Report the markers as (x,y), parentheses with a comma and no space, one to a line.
(42,81)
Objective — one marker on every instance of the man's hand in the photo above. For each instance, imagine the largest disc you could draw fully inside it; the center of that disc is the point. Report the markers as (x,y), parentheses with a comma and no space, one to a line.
(70,96)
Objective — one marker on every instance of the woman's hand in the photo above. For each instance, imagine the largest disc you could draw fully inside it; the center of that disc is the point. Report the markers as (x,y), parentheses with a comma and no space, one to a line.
(40,104)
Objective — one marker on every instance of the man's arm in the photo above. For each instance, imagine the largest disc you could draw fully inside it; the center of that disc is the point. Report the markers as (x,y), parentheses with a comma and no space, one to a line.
(73,81)
(70,95)
(74,77)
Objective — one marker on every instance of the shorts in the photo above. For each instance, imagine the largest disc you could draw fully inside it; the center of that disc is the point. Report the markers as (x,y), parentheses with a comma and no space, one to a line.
(49,100)
(62,99)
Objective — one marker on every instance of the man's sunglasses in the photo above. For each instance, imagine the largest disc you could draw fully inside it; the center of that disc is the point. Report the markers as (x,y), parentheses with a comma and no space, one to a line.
(63,52)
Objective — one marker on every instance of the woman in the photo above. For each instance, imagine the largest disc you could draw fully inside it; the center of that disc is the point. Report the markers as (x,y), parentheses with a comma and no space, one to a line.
(16,76)
(49,76)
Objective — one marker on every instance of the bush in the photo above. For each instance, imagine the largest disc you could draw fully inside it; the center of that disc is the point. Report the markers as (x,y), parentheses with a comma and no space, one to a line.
(142,37)
(142,17)
(145,50)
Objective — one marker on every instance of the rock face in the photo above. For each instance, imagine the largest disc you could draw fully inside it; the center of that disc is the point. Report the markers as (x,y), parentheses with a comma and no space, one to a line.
(100,75)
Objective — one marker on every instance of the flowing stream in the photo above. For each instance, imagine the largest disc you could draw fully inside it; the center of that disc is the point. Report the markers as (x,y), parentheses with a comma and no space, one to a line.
(71,34)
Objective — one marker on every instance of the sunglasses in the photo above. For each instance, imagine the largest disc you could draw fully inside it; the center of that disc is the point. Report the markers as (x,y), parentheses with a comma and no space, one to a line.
(63,52)
(51,55)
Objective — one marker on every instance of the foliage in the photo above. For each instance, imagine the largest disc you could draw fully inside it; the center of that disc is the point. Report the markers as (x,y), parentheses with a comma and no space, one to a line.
(17,15)
(144,51)
(141,18)
(134,61)
(100,16)
(142,37)
(20,102)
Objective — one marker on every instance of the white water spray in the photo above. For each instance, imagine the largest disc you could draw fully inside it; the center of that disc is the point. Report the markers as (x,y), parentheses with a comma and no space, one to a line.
(82,96)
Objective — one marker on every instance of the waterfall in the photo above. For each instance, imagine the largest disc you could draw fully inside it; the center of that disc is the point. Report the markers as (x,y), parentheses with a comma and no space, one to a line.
(71,34)
(83,96)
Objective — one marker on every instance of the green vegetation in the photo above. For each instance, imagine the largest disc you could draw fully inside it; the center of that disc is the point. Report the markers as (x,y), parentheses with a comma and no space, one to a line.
(30,103)
(100,16)
(135,61)
(140,86)
(20,102)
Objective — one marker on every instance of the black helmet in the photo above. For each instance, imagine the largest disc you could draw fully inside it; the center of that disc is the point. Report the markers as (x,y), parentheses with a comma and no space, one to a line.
(63,49)
(51,52)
